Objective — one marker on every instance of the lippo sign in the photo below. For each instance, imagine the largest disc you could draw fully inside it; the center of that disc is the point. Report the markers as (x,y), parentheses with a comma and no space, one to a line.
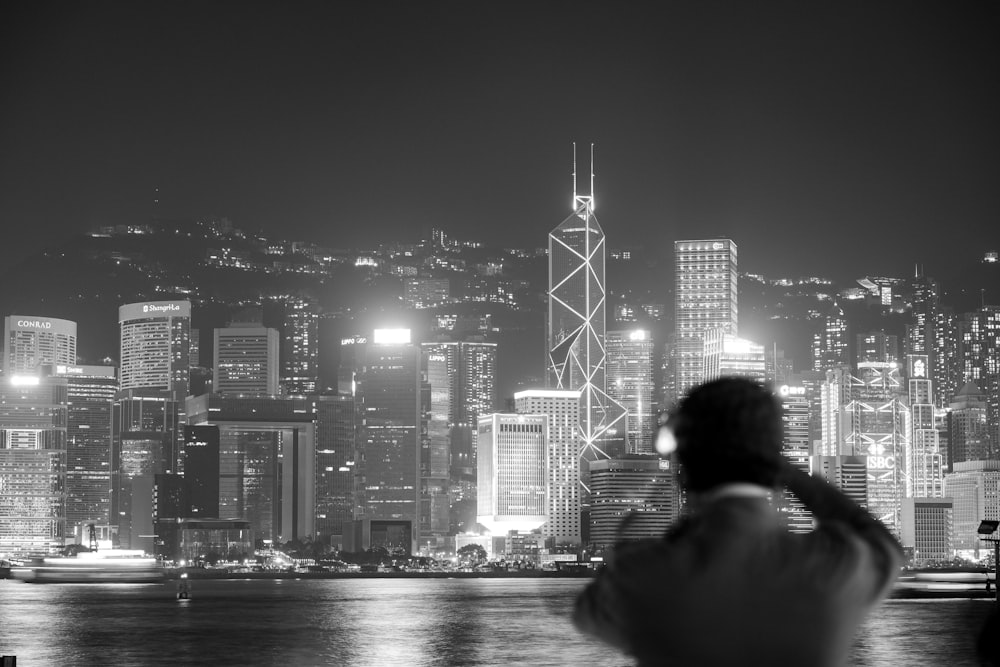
(138,311)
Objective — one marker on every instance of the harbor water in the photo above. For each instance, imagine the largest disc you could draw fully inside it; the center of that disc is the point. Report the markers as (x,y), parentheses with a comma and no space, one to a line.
(428,622)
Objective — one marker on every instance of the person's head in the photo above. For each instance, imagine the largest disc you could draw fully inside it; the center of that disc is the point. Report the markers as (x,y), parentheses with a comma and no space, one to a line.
(728,430)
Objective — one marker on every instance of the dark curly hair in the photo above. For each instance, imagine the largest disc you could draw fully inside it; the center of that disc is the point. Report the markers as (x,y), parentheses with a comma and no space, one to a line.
(728,430)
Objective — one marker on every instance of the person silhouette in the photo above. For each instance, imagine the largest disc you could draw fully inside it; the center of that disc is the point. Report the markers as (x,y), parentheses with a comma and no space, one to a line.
(729,583)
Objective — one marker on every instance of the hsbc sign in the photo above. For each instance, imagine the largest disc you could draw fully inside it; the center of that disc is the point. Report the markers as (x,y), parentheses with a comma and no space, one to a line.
(881,462)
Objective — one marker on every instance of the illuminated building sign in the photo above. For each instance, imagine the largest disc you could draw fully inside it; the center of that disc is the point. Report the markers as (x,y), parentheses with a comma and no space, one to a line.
(638,334)
(918,366)
(881,462)
(354,340)
(391,336)
(160,308)
(34,324)
(90,371)
(786,390)
(135,311)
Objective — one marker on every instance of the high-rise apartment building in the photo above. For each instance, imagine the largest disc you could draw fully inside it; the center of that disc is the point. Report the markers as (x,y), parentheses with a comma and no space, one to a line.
(563,459)
(705,301)
(630,383)
(246,361)
(31,341)
(513,472)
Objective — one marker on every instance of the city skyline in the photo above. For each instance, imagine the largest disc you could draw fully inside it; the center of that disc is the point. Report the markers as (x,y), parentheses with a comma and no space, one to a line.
(285,297)
(856,128)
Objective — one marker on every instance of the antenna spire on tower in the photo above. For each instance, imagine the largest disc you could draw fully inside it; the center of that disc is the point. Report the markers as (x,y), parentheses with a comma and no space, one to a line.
(584,201)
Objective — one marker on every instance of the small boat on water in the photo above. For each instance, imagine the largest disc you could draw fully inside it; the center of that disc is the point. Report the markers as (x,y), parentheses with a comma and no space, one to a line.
(106,566)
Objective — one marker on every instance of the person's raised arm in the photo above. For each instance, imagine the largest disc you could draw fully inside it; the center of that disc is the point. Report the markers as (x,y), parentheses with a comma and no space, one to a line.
(828,504)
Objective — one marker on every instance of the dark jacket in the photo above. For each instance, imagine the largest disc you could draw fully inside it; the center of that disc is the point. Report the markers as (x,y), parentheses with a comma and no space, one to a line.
(730,585)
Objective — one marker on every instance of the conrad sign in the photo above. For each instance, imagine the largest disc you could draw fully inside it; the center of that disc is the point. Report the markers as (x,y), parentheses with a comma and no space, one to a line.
(52,325)
(34,324)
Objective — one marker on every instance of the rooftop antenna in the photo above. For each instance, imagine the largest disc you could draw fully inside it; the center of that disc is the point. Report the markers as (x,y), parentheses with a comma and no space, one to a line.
(583,200)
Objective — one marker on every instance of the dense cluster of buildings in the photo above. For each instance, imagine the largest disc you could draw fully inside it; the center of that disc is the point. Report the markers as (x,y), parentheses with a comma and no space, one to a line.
(413,450)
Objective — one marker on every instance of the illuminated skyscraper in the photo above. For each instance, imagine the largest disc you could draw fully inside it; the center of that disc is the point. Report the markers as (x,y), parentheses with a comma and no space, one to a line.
(513,472)
(154,379)
(847,473)
(979,355)
(924,464)
(576,323)
(32,464)
(927,527)
(147,441)
(630,383)
(336,455)
(462,379)
(90,397)
(974,487)
(156,346)
(391,403)
(632,498)
(300,347)
(705,301)
(735,357)
(878,347)
(562,408)
(829,347)
(246,361)
(267,458)
(877,426)
(835,396)
(31,341)
(968,431)
(795,408)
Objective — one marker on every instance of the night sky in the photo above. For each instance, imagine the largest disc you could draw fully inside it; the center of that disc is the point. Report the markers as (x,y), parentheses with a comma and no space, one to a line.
(839,138)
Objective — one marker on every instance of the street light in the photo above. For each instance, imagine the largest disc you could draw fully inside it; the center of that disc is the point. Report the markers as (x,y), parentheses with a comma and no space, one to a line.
(988,527)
